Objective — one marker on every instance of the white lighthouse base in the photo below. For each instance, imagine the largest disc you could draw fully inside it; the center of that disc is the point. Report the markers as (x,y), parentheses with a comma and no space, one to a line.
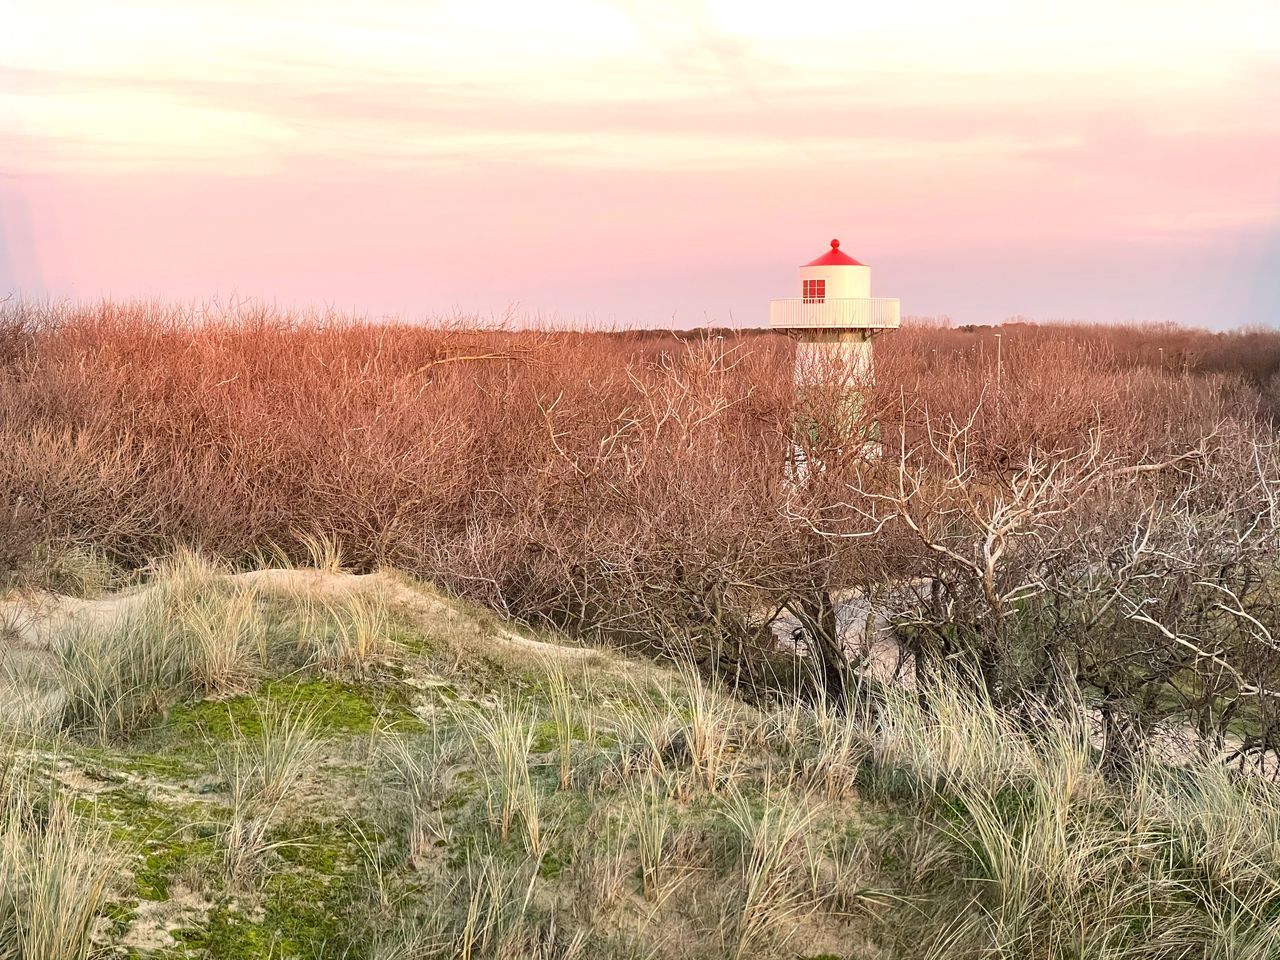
(831,357)
(832,369)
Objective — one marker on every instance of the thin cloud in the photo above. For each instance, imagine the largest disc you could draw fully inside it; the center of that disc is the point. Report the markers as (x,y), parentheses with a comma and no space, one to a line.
(346,147)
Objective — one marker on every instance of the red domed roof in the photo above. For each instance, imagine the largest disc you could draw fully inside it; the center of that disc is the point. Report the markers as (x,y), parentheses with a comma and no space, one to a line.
(834,258)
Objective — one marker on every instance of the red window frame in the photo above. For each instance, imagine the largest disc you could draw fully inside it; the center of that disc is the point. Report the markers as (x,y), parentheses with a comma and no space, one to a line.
(814,291)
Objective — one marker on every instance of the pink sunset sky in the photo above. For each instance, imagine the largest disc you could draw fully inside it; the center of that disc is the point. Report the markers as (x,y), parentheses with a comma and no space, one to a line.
(634,162)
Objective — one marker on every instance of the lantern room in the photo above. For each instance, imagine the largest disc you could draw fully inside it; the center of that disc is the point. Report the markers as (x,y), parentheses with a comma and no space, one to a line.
(835,294)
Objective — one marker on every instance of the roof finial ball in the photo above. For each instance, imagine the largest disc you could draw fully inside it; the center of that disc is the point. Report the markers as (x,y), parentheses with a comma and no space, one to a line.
(832,322)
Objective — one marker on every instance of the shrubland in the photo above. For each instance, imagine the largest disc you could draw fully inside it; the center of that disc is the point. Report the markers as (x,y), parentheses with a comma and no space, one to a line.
(977,660)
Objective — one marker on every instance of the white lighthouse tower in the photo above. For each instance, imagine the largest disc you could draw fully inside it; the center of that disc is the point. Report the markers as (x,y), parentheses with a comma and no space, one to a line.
(834,319)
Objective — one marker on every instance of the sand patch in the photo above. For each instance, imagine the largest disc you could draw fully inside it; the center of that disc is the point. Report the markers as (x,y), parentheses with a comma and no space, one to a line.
(43,621)
(154,921)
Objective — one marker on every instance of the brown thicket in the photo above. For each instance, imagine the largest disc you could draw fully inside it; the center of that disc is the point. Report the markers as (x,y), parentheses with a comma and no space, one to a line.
(1086,513)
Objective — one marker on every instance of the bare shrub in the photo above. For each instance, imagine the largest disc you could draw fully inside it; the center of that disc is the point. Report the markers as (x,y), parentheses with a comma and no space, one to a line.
(634,489)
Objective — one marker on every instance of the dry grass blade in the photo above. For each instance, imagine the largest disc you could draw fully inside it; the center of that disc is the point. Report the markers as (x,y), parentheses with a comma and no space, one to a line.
(650,825)
(261,769)
(711,728)
(769,897)
(500,921)
(55,876)
(358,635)
(423,769)
(501,738)
(116,675)
(226,635)
(323,551)
(191,631)
(564,711)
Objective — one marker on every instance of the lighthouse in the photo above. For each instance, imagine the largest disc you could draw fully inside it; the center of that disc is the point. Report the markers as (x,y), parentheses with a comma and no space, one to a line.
(833,322)
(834,319)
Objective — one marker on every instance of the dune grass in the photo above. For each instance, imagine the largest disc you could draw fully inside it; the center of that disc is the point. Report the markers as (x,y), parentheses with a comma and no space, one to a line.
(261,771)
(116,676)
(501,738)
(196,630)
(549,807)
(56,869)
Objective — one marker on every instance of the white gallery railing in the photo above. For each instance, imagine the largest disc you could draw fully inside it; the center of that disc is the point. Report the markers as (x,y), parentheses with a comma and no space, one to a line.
(876,313)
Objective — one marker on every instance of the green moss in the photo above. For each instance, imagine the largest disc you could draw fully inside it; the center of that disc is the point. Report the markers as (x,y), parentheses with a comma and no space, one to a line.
(407,634)
(163,839)
(303,908)
(339,707)
(231,936)
(119,915)
(128,811)
(554,863)
(152,765)
(299,913)
(164,860)
(324,847)
(546,737)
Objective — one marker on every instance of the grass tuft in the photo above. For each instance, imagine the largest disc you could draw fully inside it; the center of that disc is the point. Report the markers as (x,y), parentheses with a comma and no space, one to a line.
(261,770)
(55,877)
(501,738)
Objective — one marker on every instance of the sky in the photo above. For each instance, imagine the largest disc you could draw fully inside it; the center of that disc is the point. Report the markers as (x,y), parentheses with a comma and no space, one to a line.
(646,163)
